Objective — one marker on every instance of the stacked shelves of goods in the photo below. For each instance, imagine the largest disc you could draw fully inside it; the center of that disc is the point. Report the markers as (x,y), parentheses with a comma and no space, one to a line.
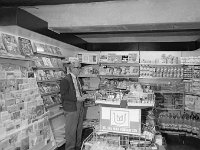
(189,121)
(90,83)
(169,90)
(24,122)
(120,97)
(48,69)
(119,81)
(166,68)
(164,74)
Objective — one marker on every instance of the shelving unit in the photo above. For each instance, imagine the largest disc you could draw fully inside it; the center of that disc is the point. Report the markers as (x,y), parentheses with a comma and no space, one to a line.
(47,68)
(164,64)
(119,64)
(48,54)
(56,62)
(113,76)
(52,93)
(88,76)
(172,92)
(52,80)
(19,126)
(15,58)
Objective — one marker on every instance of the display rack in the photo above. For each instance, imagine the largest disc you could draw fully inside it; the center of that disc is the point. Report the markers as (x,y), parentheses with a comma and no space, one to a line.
(26,123)
(52,93)
(24,129)
(51,80)
(116,77)
(119,64)
(48,54)
(47,68)
(55,113)
(15,58)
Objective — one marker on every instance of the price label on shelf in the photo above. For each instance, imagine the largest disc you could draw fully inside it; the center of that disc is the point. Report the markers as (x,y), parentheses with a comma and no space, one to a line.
(120,120)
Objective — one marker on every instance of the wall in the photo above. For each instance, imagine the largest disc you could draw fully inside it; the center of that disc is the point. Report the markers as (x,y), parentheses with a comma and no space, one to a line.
(67,50)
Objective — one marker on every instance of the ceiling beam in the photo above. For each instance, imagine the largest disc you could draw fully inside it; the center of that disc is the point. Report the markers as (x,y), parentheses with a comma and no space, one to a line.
(144,46)
(45,2)
(122,15)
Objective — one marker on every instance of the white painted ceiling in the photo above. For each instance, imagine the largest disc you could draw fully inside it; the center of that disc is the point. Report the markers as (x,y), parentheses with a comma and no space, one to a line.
(125,21)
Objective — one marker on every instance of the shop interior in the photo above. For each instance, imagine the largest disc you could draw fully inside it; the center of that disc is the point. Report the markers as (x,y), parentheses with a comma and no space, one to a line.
(138,58)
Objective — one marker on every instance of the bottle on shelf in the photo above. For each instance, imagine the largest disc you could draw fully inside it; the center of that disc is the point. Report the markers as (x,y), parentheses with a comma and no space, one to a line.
(167,121)
(197,125)
(184,126)
(180,122)
(176,122)
(193,124)
(188,123)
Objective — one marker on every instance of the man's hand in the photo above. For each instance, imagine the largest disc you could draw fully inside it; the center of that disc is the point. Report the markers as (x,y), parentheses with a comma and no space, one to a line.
(82,98)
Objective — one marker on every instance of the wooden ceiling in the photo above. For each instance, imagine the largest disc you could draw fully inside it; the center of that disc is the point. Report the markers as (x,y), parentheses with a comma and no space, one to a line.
(44,2)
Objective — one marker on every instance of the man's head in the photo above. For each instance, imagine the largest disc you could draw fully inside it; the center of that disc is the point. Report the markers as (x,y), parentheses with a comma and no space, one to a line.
(74,67)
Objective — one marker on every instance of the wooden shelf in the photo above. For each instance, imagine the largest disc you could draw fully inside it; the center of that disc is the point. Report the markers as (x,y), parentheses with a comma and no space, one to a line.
(89,63)
(191,64)
(141,105)
(52,93)
(195,94)
(116,77)
(120,64)
(175,109)
(15,58)
(47,68)
(88,76)
(90,89)
(53,80)
(172,132)
(49,54)
(156,80)
(153,64)
(107,102)
(130,105)
(173,92)
(160,78)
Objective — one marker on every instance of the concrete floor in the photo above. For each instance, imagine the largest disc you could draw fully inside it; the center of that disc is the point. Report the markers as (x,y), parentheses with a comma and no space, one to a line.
(173,142)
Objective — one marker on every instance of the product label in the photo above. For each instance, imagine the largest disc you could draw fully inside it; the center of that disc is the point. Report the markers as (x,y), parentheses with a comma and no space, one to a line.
(120,120)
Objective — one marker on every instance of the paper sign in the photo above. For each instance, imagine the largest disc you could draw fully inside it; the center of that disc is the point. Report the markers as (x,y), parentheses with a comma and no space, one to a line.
(120,120)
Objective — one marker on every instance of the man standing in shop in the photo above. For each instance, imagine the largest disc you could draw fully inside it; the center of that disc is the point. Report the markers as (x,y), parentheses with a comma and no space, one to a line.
(72,101)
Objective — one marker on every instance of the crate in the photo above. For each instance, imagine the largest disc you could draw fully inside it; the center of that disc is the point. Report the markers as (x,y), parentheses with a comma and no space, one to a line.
(115,141)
